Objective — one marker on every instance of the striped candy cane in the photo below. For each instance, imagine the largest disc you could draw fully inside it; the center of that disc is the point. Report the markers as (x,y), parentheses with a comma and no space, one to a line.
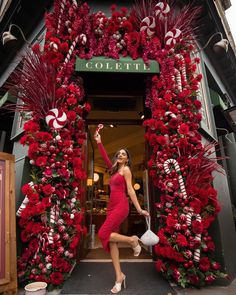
(177,169)
(72,47)
(172,115)
(183,67)
(22,206)
(178,79)
(54,213)
(189,216)
(63,3)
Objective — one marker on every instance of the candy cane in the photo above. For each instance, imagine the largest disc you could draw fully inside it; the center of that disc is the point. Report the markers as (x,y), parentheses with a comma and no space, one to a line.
(72,47)
(22,206)
(63,3)
(42,242)
(178,79)
(189,216)
(170,114)
(54,213)
(183,67)
(180,178)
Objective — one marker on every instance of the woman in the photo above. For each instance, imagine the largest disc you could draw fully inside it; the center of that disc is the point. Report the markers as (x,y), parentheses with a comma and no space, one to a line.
(118,209)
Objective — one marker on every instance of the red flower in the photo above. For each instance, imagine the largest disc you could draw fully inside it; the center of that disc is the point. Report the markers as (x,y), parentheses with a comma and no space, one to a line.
(160,266)
(181,240)
(31,126)
(204,264)
(48,189)
(71,116)
(184,129)
(197,227)
(56,278)
(41,161)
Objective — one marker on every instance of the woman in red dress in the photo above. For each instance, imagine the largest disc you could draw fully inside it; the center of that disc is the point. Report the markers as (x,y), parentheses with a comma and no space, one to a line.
(118,209)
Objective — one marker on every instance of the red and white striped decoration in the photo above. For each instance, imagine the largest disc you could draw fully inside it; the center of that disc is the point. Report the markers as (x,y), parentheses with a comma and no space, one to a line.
(100,126)
(83,39)
(72,47)
(56,118)
(22,206)
(162,10)
(178,80)
(177,169)
(63,3)
(170,114)
(172,37)
(54,213)
(190,215)
(148,25)
(182,67)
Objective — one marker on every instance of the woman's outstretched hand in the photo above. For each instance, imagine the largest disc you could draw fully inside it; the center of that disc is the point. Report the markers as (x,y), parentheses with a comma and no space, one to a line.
(97,137)
(144,213)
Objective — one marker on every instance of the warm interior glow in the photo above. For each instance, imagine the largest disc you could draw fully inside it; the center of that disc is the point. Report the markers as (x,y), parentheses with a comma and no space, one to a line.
(95,177)
(136,186)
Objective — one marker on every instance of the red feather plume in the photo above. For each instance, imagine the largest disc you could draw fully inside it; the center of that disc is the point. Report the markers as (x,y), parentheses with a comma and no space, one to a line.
(34,83)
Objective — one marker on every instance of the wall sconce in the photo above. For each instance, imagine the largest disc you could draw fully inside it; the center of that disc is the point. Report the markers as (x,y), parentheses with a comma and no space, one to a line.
(230,115)
(7,36)
(220,47)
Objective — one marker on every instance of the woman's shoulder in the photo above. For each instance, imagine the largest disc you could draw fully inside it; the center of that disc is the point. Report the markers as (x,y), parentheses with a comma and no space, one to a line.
(126,170)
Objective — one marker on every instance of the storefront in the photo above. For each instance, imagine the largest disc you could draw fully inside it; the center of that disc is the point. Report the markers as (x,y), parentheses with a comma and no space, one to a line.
(116,92)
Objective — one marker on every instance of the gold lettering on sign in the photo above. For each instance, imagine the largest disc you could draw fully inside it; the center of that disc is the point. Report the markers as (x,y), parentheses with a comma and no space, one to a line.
(145,67)
(88,65)
(137,65)
(108,66)
(127,64)
(98,65)
(118,66)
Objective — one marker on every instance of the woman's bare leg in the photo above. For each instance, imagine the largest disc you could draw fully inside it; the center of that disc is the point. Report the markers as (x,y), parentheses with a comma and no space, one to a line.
(114,250)
(117,238)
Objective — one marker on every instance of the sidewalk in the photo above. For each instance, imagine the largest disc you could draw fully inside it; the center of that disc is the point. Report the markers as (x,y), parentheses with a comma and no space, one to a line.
(211,290)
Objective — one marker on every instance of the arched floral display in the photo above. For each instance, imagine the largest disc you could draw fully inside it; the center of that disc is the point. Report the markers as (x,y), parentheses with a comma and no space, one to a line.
(51,215)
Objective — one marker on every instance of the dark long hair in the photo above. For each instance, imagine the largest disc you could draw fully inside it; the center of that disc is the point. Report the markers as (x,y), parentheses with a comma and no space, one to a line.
(114,167)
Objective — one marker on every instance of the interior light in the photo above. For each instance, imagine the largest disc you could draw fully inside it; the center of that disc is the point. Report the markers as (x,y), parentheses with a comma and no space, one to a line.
(136,186)
(95,177)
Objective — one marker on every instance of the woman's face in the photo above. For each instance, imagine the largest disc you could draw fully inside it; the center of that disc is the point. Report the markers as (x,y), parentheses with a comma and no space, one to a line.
(122,157)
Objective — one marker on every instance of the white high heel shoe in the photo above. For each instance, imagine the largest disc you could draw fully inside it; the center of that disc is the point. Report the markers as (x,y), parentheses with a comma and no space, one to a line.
(118,286)
(137,249)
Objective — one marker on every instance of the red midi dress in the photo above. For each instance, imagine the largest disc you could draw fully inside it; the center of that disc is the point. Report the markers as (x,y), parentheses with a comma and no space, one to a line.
(118,205)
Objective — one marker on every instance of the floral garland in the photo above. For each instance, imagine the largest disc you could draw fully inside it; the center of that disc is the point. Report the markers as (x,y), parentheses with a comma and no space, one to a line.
(51,213)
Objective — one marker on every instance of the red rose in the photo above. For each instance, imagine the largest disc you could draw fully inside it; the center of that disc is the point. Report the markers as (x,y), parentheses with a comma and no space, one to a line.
(71,115)
(41,161)
(31,126)
(197,227)
(181,240)
(204,264)
(184,129)
(48,189)
(56,278)
(160,266)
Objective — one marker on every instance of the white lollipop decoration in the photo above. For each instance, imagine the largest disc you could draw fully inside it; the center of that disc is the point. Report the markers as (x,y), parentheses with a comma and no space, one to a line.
(100,126)
(148,25)
(162,10)
(56,118)
(172,37)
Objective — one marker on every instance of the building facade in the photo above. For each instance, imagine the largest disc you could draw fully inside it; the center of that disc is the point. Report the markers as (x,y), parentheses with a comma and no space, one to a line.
(120,110)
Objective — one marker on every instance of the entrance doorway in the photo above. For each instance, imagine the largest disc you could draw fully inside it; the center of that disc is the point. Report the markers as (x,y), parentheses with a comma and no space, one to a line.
(114,137)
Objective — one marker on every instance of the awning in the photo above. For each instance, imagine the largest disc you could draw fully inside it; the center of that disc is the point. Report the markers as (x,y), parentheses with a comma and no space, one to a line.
(123,65)
(7,97)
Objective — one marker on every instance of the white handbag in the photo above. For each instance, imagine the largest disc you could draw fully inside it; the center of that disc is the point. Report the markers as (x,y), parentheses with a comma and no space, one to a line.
(149,238)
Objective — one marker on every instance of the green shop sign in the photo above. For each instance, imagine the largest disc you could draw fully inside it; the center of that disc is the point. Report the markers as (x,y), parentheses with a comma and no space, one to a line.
(123,65)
